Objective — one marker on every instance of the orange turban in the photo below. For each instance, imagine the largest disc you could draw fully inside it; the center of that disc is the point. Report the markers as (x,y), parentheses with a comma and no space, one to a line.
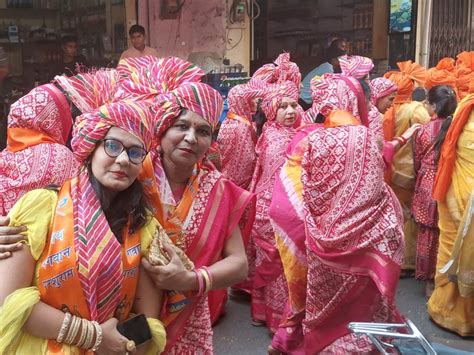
(442,74)
(464,73)
(405,80)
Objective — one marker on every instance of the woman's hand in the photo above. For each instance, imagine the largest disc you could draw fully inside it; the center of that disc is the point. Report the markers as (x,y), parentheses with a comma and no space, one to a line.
(112,341)
(173,276)
(411,131)
(10,238)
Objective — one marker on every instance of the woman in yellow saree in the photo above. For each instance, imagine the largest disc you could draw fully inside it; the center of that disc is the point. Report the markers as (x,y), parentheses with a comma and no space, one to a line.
(401,176)
(452,303)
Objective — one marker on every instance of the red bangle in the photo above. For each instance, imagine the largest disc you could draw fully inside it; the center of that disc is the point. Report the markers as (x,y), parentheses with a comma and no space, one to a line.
(401,140)
(200,279)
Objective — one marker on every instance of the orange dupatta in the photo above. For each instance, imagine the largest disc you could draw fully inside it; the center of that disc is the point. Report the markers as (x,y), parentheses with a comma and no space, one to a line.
(448,151)
(21,138)
(58,279)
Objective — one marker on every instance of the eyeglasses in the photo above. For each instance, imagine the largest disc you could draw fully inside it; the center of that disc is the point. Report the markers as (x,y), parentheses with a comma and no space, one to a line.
(113,148)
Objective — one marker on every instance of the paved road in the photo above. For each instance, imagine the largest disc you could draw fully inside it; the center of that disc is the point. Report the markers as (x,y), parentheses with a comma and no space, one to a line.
(234,335)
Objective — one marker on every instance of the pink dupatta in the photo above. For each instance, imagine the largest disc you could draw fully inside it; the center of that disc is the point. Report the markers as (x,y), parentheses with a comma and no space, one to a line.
(354,234)
(218,207)
(287,218)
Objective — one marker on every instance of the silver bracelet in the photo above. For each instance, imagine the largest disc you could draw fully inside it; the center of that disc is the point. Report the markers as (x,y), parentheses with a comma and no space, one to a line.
(64,327)
(98,336)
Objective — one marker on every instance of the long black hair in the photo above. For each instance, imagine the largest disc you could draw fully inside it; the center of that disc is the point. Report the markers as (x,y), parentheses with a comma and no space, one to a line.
(443,98)
(128,203)
(259,118)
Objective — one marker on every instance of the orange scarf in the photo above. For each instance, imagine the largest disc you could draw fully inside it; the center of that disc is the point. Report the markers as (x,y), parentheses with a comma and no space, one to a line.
(338,118)
(21,138)
(448,151)
(58,280)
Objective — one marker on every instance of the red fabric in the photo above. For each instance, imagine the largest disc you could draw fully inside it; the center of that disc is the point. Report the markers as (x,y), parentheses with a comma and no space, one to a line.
(424,207)
(427,242)
(44,111)
(354,236)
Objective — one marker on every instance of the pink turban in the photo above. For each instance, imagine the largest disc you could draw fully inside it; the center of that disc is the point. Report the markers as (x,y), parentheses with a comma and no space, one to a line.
(279,71)
(147,77)
(381,87)
(197,97)
(239,99)
(89,91)
(273,96)
(356,66)
(92,127)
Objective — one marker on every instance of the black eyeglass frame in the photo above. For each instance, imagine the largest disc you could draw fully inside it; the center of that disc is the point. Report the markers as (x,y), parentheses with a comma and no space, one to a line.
(104,141)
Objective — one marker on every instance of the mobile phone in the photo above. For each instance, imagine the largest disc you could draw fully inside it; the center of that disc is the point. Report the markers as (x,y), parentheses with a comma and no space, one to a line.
(135,328)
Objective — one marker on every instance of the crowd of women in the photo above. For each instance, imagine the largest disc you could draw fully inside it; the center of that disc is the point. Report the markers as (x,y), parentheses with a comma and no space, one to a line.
(315,214)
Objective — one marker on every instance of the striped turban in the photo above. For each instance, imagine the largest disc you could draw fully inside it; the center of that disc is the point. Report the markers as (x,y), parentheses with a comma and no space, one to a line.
(274,95)
(91,128)
(279,71)
(356,66)
(199,98)
(89,91)
(381,87)
(240,99)
(147,77)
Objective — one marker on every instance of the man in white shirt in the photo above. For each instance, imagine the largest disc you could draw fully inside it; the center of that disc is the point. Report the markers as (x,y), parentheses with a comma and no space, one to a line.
(138,49)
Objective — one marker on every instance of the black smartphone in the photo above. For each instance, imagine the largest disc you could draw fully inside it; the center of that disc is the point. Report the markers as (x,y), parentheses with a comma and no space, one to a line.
(136,329)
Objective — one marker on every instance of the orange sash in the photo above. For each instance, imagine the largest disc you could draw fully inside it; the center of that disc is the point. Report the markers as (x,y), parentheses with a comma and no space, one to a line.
(173,224)
(58,280)
(337,118)
(21,138)
(233,116)
(448,151)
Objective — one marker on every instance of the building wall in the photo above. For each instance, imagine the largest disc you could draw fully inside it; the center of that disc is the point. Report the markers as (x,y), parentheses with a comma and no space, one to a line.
(201,26)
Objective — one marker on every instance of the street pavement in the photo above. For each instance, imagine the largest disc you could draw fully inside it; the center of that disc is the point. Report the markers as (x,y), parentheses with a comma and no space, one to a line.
(234,335)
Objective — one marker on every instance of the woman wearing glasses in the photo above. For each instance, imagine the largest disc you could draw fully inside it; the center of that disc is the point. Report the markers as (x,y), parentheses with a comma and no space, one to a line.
(83,247)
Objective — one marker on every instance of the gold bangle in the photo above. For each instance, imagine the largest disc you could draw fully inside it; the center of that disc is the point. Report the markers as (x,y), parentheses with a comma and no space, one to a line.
(207,281)
(98,336)
(64,327)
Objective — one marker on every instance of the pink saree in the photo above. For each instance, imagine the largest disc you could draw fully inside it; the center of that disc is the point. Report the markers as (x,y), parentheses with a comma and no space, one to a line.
(287,219)
(354,239)
(270,291)
(217,208)
(237,137)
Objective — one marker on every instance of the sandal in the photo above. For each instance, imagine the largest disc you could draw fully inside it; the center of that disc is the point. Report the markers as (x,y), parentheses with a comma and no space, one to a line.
(257,323)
